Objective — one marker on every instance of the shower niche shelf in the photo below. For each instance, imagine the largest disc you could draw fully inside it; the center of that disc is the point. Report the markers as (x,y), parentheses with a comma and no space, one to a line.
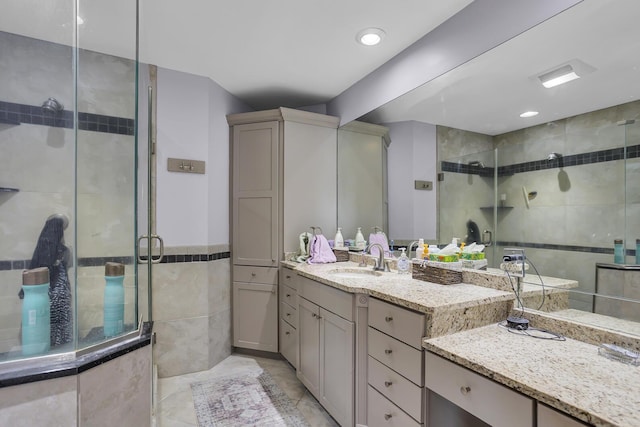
(8,190)
(486,208)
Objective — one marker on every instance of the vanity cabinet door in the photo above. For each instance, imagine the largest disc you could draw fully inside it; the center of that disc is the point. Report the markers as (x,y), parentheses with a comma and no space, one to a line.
(548,417)
(309,345)
(336,367)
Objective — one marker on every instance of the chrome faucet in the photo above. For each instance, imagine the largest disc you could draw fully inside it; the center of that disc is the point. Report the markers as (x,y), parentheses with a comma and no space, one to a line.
(380,265)
(415,242)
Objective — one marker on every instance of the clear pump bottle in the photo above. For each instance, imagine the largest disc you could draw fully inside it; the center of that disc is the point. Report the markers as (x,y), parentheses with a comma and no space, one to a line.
(403,263)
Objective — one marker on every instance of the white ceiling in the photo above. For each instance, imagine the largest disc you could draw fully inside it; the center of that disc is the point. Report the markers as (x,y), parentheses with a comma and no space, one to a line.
(298,53)
(488,93)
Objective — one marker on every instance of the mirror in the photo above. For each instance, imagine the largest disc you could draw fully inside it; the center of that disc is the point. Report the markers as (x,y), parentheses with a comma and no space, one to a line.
(568,189)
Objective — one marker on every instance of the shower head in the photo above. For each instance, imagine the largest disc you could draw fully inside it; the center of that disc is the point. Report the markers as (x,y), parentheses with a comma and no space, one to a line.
(52,105)
(476,163)
(554,156)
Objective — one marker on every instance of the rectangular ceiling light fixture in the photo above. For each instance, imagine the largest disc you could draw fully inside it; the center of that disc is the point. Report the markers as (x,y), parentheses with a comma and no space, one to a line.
(557,77)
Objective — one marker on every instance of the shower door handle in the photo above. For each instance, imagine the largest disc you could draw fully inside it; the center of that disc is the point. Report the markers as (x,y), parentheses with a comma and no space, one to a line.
(485,241)
(150,254)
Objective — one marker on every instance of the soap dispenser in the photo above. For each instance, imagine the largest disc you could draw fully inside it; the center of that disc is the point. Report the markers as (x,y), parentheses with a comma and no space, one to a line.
(360,242)
(338,241)
(403,263)
(420,249)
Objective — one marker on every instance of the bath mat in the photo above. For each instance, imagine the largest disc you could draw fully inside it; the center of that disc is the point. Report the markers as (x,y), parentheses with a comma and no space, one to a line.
(244,400)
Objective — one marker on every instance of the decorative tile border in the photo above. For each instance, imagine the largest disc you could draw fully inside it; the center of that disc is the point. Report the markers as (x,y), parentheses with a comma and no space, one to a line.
(569,248)
(13,113)
(537,165)
(127,260)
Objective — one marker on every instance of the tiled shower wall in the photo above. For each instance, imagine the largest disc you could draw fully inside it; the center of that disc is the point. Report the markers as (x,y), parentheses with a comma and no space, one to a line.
(41,157)
(579,206)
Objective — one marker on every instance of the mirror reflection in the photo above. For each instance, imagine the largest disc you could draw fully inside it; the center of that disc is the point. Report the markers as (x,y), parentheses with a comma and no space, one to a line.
(562,185)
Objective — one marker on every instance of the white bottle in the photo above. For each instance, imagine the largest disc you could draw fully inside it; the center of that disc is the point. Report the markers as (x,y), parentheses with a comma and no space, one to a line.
(403,263)
(360,242)
(338,241)
(420,249)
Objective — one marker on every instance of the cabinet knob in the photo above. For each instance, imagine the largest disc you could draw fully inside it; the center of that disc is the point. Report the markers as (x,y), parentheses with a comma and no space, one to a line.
(288,314)
(288,295)
(388,319)
(287,333)
(288,277)
(387,417)
(387,383)
(387,351)
(253,274)
(465,389)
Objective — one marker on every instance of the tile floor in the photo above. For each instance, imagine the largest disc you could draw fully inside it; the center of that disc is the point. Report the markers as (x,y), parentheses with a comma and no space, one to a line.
(175,403)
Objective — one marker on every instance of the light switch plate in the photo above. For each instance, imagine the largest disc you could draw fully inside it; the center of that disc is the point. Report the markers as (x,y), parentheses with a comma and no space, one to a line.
(185,165)
(424,185)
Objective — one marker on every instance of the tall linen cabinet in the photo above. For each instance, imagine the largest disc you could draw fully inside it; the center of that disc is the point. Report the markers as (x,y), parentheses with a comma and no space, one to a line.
(283,181)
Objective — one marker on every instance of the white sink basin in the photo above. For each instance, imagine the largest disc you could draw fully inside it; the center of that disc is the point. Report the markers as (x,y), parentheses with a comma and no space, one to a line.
(354,274)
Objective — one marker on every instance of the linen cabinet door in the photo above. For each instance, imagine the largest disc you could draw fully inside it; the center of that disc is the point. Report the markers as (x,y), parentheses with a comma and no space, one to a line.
(255,316)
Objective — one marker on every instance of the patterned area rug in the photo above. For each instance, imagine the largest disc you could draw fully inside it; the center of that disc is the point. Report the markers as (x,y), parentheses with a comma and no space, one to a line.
(244,400)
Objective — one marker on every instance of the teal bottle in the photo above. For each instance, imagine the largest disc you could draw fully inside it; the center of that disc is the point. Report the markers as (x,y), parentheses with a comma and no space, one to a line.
(113,299)
(36,312)
(618,251)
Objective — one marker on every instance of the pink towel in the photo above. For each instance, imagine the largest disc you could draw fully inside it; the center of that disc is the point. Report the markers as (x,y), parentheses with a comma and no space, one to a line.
(320,251)
(381,239)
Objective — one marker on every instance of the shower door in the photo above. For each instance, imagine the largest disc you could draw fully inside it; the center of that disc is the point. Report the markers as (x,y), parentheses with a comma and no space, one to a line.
(468,209)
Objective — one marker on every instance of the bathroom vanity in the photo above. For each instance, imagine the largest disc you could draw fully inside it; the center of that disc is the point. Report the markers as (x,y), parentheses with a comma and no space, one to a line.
(394,351)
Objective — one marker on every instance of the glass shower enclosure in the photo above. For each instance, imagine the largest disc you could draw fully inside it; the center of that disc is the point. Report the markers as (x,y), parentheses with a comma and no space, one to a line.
(74,177)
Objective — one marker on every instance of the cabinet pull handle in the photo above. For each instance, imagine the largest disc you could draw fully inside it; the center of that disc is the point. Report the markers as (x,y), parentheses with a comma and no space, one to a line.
(387,417)
(387,383)
(288,295)
(465,389)
(387,351)
(388,319)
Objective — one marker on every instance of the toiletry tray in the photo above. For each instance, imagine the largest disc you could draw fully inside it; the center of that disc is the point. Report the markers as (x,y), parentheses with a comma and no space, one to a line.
(443,273)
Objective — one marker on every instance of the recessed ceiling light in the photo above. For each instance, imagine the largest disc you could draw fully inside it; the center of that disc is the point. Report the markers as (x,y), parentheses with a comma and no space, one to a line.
(557,77)
(370,36)
(529,114)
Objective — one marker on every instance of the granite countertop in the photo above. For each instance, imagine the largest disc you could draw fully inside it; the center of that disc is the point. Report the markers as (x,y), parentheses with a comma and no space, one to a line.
(567,375)
(402,290)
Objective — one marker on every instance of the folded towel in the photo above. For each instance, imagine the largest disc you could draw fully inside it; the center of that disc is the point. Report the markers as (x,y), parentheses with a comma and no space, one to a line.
(320,251)
(381,239)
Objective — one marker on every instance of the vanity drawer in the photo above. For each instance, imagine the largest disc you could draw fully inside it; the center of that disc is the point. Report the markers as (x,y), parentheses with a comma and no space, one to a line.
(288,295)
(400,357)
(405,325)
(289,343)
(289,314)
(288,277)
(493,403)
(383,413)
(251,274)
(396,388)
(334,300)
